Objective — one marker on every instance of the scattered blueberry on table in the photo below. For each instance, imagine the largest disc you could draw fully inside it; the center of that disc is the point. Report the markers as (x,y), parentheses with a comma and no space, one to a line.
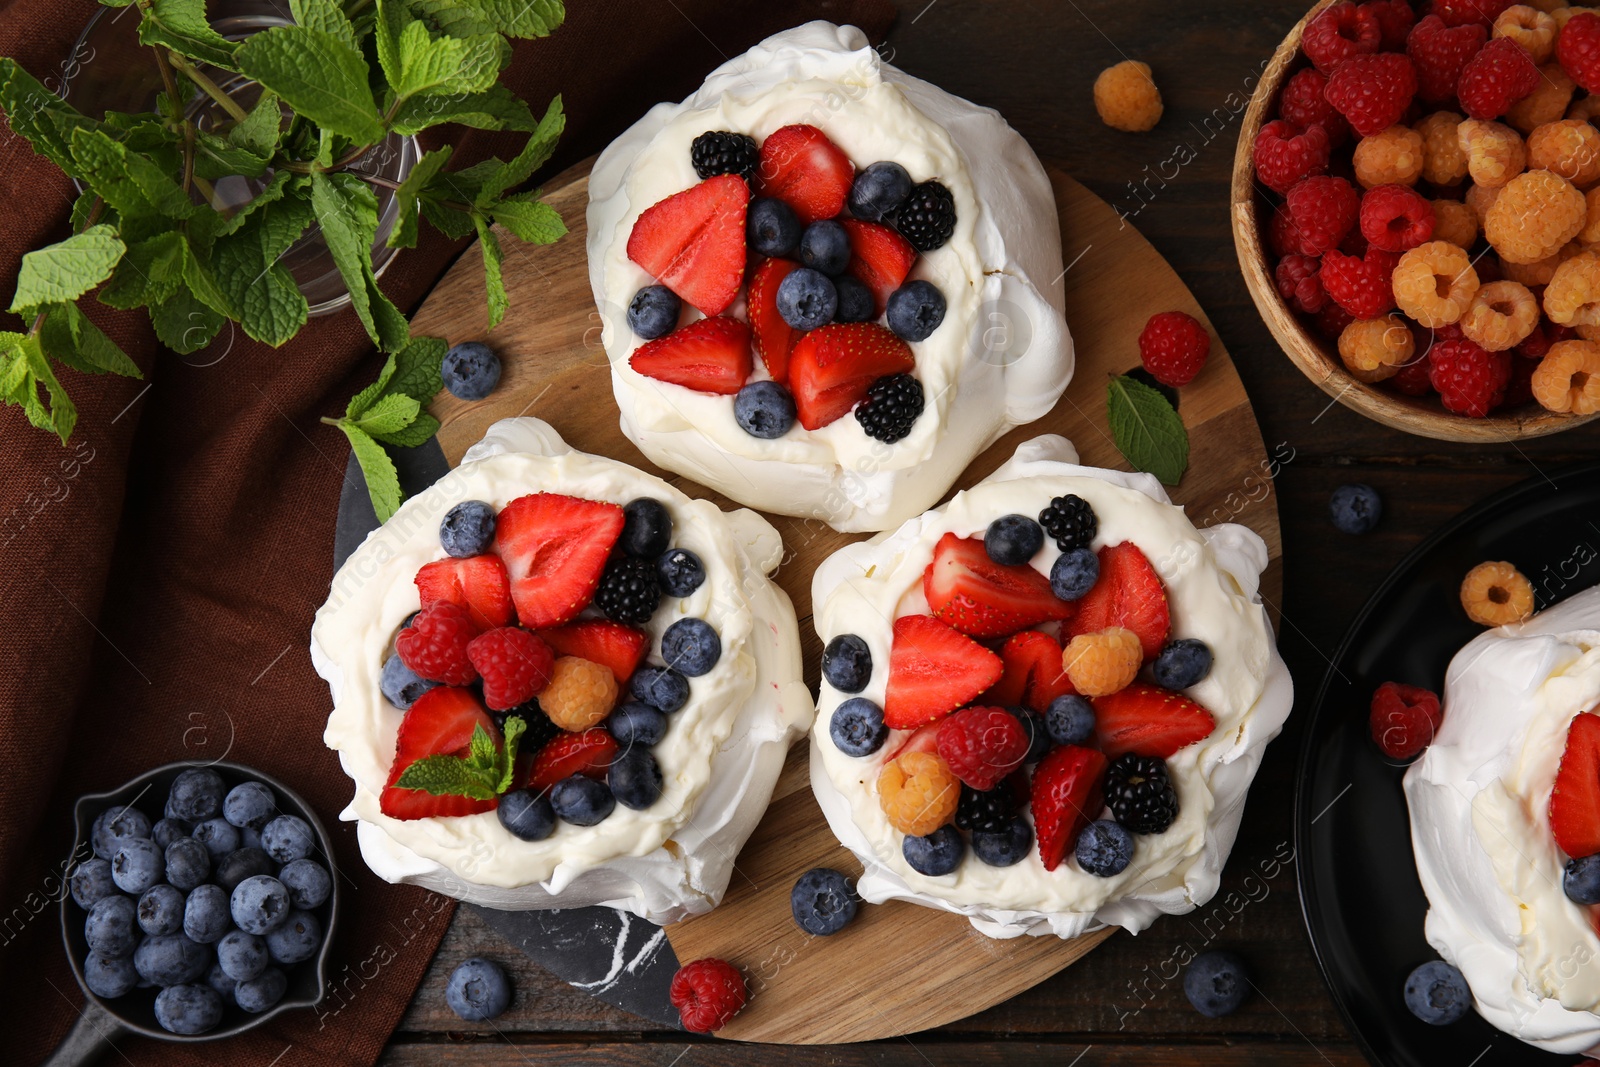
(478,989)
(470,370)
(1216,983)
(1355,508)
(823,901)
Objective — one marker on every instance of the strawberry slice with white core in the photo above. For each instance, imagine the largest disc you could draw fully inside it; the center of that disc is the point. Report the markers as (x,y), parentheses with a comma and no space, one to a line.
(708,355)
(1128,594)
(833,366)
(1149,721)
(1575,801)
(618,648)
(976,595)
(440,723)
(879,258)
(555,548)
(477,583)
(1067,796)
(774,338)
(801,167)
(933,670)
(693,242)
(1034,675)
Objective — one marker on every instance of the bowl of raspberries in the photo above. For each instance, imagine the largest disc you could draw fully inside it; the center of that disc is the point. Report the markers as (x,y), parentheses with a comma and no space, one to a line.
(1416,208)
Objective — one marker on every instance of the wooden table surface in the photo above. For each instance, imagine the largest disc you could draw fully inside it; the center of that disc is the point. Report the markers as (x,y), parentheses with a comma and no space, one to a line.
(1034,61)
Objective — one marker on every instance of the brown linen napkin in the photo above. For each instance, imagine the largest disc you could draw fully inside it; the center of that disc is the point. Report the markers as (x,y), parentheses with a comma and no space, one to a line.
(160,573)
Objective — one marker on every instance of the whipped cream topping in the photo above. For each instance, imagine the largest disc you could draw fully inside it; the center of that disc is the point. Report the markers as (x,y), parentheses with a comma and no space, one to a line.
(719,759)
(1002,356)
(1211,577)
(1480,827)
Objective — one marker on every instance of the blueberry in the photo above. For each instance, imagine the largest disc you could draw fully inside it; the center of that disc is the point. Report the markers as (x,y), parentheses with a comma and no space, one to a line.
(635,779)
(526,814)
(287,838)
(250,805)
(646,528)
(581,801)
(823,901)
(1069,720)
(915,310)
(1074,573)
(307,881)
(259,904)
(171,959)
(1581,880)
(1182,663)
(160,910)
(825,247)
(660,687)
(806,298)
(218,979)
(1038,733)
(857,727)
(244,863)
(187,863)
(467,529)
(878,189)
(772,228)
(1216,983)
(111,927)
(114,826)
(1355,508)
(401,685)
(188,1009)
(218,835)
(91,881)
(847,663)
(691,647)
(294,939)
(478,990)
(856,302)
(242,956)
(262,991)
(653,312)
(937,854)
(166,831)
(1012,540)
(205,914)
(680,571)
(109,976)
(637,723)
(1002,848)
(470,370)
(136,865)
(764,409)
(1104,848)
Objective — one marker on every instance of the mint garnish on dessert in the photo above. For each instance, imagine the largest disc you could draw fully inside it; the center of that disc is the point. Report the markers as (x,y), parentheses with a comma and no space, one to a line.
(483,774)
(1147,429)
(390,410)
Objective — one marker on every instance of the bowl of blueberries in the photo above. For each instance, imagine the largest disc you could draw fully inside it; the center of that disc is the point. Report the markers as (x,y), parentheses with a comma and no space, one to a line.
(203,899)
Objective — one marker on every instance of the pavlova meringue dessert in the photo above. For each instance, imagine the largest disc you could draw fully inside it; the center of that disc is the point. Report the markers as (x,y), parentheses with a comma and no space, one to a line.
(594,700)
(826,286)
(1505,825)
(1046,726)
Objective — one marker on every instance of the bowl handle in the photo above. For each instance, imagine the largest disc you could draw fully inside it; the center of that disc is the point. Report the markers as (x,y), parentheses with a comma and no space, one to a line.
(95,1031)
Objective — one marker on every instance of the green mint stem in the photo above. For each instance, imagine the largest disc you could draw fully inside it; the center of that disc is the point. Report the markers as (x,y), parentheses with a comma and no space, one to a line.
(207,86)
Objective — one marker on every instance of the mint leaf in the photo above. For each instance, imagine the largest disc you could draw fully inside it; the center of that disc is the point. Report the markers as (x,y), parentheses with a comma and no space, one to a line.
(521,18)
(417,368)
(494,282)
(417,433)
(391,414)
(450,221)
(216,157)
(26,375)
(102,164)
(148,273)
(368,396)
(530,219)
(68,337)
(404,234)
(447,776)
(281,183)
(541,143)
(497,108)
(320,76)
(182,26)
(1146,429)
(262,129)
(324,15)
(383,484)
(450,18)
(270,305)
(183,323)
(41,116)
(66,270)
(449,64)
(515,726)
(348,213)
(202,283)
(481,750)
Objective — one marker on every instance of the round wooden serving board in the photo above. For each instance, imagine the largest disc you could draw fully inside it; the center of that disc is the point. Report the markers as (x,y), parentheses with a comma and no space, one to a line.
(899,967)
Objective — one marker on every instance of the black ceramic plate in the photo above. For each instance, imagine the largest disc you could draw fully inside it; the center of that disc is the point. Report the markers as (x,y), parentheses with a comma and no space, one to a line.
(1363,904)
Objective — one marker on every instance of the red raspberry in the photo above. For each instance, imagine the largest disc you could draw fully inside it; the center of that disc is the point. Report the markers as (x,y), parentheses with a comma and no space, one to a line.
(1282,235)
(1360,286)
(1412,377)
(1354,244)
(435,644)
(1342,31)
(1303,104)
(1332,320)
(707,993)
(1396,218)
(1439,52)
(1578,50)
(1470,381)
(1323,209)
(1519,388)
(1173,347)
(1470,12)
(1395,19)
(1299,285)
(1545,333)
(1498,76)
(1373,92)
(1404,719)
(982,745)
(1284,154)
(514,665)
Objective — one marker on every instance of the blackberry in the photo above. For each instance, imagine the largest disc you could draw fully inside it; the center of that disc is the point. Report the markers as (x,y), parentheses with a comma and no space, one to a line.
(1070,521)
(927,217)
(720,152)
(540,732)
(629,592)
(891,407)
(1140,795)
(986,812)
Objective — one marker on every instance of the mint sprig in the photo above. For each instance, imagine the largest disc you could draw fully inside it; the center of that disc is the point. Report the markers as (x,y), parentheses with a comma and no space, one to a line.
(483,774)
(390,411)
(1147,429)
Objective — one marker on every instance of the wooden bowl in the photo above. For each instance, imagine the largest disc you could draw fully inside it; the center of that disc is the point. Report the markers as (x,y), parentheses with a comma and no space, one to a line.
(1317,358)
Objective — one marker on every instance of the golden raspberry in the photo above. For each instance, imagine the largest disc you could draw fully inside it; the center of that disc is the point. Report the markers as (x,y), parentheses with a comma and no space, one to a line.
(918,793)
(1480,198)
(1570,148)
(1443,161)
(1572,297)
(1455,222)
(1102,663)
(1534,215)
(1127,98)
(1500,316)
(1393,157)
(1547,102)
(1494,152)
(1434,283)
(1495,594)
(1590,233)
(1568,377)
(1540,273)
(1589,333)
(1376,346)
(1563,14)
(580,693)
(1547,6)
(1534,30)
(1585,109)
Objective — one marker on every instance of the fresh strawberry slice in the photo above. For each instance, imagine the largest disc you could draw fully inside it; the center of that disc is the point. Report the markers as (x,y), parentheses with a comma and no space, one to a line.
(801,167)
(832,367)
(982,598)
(1149,721)
(775,339)
(1034,676)
(1066,797)
(1129,594)
(1575,802)
(617,647)
(922,739)
(589,753)
(879,257)
(555,548)
(933,670)
(439,723)
(982,745)
(708,355)
(477,583)
(693,242)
